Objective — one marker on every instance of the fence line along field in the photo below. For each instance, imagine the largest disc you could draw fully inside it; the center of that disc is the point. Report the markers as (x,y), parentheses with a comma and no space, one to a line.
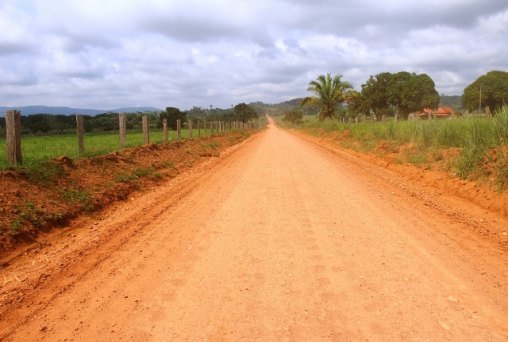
(39,148)
(36,149)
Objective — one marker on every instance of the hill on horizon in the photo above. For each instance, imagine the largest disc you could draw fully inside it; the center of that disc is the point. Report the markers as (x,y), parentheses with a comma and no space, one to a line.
(30,110)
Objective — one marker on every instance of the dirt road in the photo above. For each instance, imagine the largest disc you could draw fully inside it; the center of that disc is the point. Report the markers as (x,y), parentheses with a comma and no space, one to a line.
(279,240)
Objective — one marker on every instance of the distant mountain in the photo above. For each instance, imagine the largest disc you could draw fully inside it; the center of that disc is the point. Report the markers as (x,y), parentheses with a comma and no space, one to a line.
(134,110)
(283,107)
(30,110)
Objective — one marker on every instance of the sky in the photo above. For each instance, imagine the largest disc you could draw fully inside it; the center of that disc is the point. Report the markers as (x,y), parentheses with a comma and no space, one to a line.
(110,54)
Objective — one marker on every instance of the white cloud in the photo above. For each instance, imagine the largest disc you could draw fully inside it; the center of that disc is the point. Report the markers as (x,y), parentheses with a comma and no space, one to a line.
(158,52)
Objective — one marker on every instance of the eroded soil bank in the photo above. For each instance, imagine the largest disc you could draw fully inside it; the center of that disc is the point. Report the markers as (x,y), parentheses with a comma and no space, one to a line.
(40,198)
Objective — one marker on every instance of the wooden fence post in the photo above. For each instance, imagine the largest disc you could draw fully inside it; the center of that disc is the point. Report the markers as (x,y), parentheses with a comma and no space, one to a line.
(199,128)
(146,131)
(80,132)
(13,137)
(179,129)
(122,128)
(190,129)
(165,129)
(17,125)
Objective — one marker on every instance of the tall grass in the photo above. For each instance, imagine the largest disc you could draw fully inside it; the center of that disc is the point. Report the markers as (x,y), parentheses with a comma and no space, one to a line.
(475,136)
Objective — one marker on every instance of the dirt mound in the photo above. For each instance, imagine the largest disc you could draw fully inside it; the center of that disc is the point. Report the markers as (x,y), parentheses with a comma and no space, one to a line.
(40,198)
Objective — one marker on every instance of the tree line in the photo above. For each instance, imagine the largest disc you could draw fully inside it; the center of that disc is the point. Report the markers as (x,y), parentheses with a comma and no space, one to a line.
(59,124)
(401,93)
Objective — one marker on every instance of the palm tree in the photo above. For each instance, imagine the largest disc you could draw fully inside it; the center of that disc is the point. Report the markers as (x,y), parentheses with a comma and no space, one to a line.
(328,93)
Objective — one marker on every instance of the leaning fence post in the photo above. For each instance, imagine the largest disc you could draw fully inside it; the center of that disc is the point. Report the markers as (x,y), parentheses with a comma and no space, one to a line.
(190,129)
(13,137)
(165,129)
(179,129)
(79,131)
(146,132)
(122,128)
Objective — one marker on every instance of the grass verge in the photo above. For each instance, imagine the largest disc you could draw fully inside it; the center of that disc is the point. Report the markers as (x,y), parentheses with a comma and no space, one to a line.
(482,143)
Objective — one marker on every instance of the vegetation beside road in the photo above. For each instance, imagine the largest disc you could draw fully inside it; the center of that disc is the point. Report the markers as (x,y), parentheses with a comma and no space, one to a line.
(474,148)
(39,148)
(38,197)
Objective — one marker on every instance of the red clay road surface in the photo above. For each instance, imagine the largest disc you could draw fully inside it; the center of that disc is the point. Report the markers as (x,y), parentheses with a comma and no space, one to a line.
(280,239)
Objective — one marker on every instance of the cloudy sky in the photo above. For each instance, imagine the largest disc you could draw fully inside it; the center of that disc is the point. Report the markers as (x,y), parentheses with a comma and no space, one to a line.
(110,54)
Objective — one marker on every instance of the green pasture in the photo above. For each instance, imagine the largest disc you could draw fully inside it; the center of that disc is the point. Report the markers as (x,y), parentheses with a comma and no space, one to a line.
(37,149)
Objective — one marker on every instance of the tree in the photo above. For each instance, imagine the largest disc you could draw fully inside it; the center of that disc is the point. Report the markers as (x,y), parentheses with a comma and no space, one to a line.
(105,121)
(244,112)
(410,92)
(195,113)
(328,93)
(494,89)
(2,127)
(375,95)
(39,123)
(403,92)
(171,115)
(293,116)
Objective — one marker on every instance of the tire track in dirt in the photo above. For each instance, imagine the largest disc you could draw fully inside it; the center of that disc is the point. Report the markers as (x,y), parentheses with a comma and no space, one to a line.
(282,240)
